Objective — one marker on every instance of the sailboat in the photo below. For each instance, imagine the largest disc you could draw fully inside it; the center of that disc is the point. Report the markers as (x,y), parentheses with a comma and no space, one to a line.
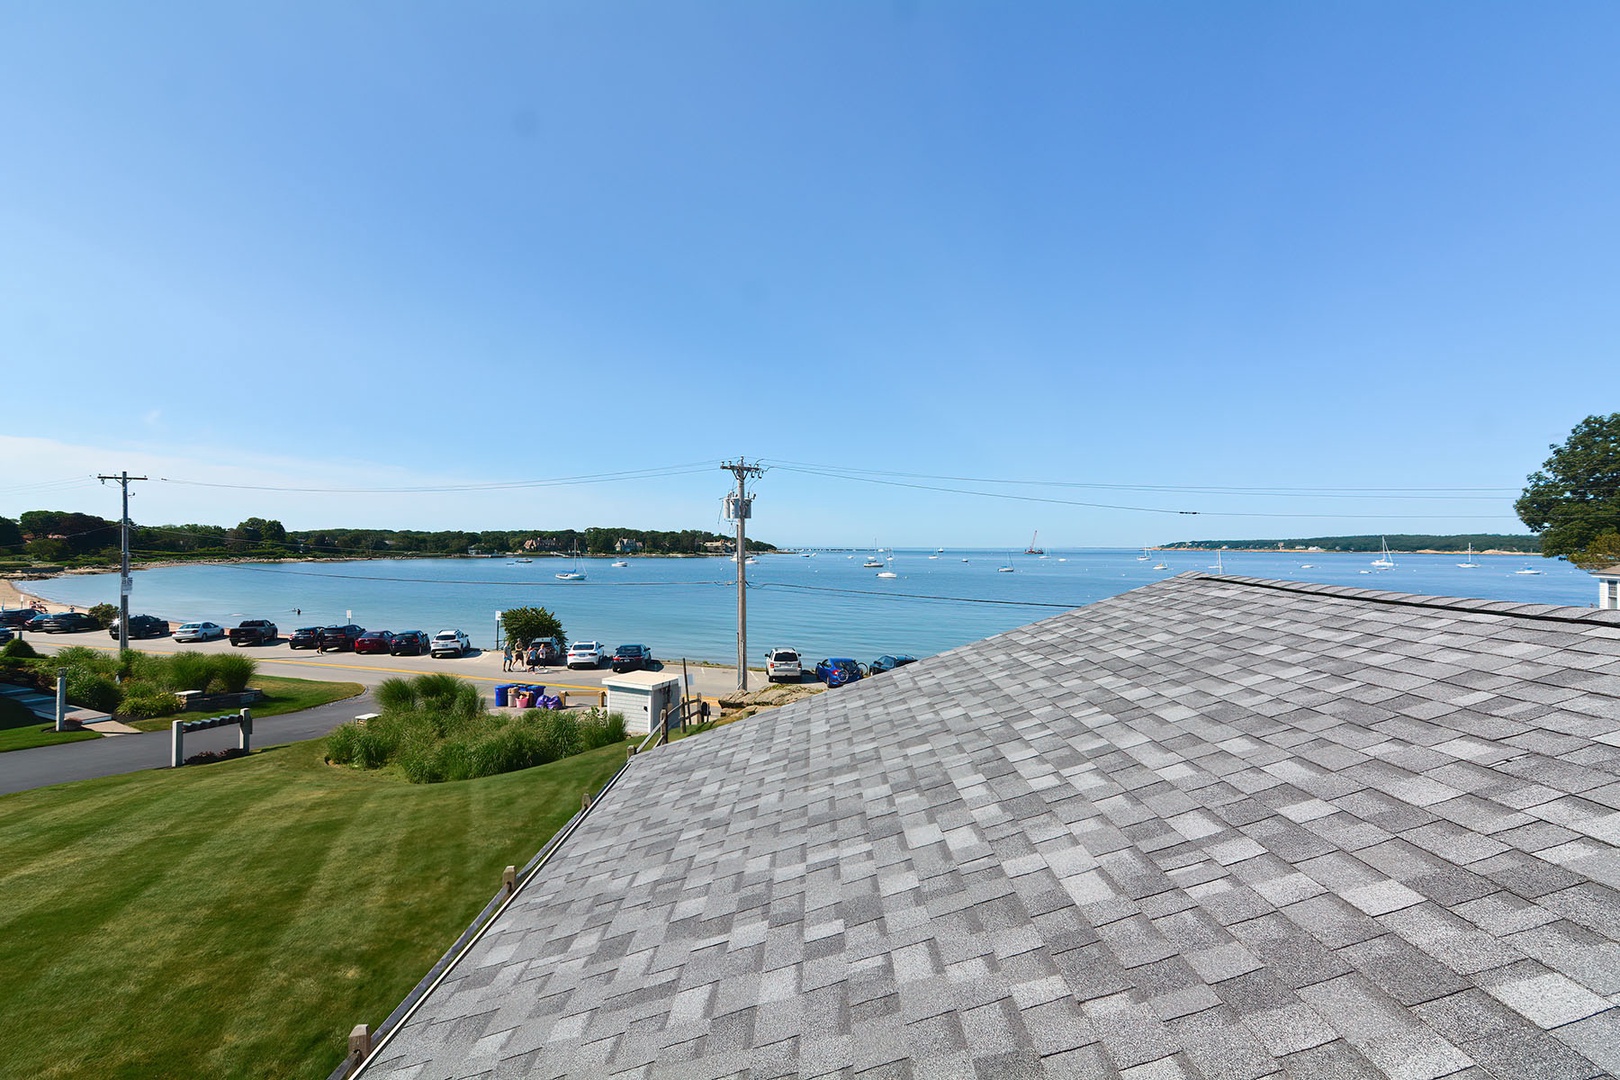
(576,574)
(1160,565)
(1142,557)
(872,561)
(1470,564)
(1385,560)
(1528,570)
(1218,568)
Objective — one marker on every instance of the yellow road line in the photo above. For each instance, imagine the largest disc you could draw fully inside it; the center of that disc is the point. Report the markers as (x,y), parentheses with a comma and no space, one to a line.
(416,671)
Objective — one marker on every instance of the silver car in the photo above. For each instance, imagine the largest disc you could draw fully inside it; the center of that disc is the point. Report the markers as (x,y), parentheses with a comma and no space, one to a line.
(199,631)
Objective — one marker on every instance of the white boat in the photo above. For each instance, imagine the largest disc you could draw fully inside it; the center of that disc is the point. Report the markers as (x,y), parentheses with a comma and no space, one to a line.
(1385,560)
(873,563)
(1218,568)
(1160,565)
(1004,569)
(620,563)
(1142,557)
(1307,566)
(571,575)
(1528,570)
(887,574)
(1470,564)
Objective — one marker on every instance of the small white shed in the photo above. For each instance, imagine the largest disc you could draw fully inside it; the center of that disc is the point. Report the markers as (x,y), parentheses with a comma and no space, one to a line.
(642,696)
(1608,587)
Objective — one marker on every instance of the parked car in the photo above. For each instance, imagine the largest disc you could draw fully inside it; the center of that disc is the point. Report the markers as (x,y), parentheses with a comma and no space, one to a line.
(410,643)
(305,637)
(450,643)
(254,632)
(889,663)
(374,641)
(339,638)
(141,626)
(69,622)
(543,652)
(838,670)
(589,654)
(783,665)
(199,631)
(17,616)
(5,635)
(633,658)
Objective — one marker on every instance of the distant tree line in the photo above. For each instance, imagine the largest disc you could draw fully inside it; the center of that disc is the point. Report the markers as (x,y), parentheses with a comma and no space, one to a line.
(1397,542)
(67,537)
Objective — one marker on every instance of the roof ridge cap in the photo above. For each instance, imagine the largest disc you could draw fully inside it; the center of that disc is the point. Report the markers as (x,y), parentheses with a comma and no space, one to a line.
(1535,612)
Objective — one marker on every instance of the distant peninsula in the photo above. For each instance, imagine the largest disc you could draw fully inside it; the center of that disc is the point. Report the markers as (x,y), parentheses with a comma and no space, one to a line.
(1484,543)
(81,541)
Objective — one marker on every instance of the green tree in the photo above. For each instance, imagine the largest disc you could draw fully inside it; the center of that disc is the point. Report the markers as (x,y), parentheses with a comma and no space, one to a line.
(527,623)
(10,535)
(1575,497)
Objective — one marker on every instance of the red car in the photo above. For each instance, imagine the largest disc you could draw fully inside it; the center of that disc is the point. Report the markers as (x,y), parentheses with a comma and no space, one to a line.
(377,641)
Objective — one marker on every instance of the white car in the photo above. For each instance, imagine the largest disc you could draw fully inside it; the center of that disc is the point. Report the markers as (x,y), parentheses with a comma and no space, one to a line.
(199,631)
(591,654)
(782,665)
(450,643)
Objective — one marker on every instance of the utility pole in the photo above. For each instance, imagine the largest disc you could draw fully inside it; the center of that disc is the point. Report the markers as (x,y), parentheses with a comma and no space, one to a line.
(737,508)
(123,479)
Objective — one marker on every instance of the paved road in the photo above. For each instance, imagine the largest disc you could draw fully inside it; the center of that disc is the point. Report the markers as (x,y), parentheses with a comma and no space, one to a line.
(23,770)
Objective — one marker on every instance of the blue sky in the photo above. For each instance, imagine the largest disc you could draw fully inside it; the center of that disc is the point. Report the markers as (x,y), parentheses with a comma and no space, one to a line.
(1364,252)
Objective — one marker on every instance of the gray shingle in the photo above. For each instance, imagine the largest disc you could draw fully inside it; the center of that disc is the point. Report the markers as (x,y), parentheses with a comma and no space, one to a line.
(1211,828)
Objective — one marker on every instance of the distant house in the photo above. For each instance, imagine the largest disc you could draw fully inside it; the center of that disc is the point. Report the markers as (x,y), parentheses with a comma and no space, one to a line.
(1214,827)
(1608,587)
(624,545)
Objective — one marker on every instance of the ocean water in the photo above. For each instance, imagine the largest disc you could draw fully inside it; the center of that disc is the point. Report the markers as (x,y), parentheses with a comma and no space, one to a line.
(827,605)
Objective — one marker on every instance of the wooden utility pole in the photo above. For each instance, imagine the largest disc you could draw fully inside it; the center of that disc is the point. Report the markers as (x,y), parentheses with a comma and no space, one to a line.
(737,508)
(123,479)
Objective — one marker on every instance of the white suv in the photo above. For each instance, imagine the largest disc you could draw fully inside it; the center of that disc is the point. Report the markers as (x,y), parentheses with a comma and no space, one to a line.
(589,654)
(783,665)
(450,643)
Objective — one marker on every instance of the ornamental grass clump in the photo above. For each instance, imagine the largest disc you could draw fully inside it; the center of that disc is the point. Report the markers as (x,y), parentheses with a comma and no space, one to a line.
(189,670)
(435,728)
(232,672)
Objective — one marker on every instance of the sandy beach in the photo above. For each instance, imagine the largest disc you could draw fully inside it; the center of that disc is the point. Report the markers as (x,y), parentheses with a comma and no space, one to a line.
(11,596)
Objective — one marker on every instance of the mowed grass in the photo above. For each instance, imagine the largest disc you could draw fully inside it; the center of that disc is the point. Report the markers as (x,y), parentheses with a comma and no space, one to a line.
(237,919)
(21,729)
(282,696)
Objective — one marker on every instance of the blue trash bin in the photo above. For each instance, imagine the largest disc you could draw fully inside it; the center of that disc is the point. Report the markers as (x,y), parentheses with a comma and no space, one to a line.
(500,694)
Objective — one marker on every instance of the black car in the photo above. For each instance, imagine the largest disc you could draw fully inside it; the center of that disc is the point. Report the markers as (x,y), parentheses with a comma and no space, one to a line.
(17,616)
(142,626)
(305,637)
(633,658)
(340,638)
(68,622)
(410,643)
(889,663)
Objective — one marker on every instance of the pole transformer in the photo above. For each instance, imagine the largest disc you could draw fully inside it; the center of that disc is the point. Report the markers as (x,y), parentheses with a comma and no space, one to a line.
(738,508)
(123,480)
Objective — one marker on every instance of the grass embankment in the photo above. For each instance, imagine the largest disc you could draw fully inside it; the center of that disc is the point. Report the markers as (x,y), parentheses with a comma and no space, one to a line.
(281,696)
(21,729)
(238,919)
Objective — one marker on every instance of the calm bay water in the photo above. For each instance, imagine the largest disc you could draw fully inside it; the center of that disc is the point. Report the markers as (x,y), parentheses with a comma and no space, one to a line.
(825,606)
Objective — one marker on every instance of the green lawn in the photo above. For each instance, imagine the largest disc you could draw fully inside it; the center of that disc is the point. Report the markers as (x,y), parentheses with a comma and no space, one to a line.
(20,729)
(237,919)
(285,696)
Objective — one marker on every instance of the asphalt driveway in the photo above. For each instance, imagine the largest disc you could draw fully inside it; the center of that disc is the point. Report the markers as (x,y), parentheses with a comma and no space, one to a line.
(42,766)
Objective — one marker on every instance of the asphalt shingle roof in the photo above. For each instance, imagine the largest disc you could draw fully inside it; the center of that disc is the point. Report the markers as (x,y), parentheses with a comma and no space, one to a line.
(1214,827)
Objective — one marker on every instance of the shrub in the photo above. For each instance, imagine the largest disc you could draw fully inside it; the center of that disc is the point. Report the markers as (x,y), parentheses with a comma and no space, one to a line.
(597,729)
(189,670)
(232,671)
(91,690)
(18,649)
(144,701)
(530,623)
(104,614)
(77,656)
